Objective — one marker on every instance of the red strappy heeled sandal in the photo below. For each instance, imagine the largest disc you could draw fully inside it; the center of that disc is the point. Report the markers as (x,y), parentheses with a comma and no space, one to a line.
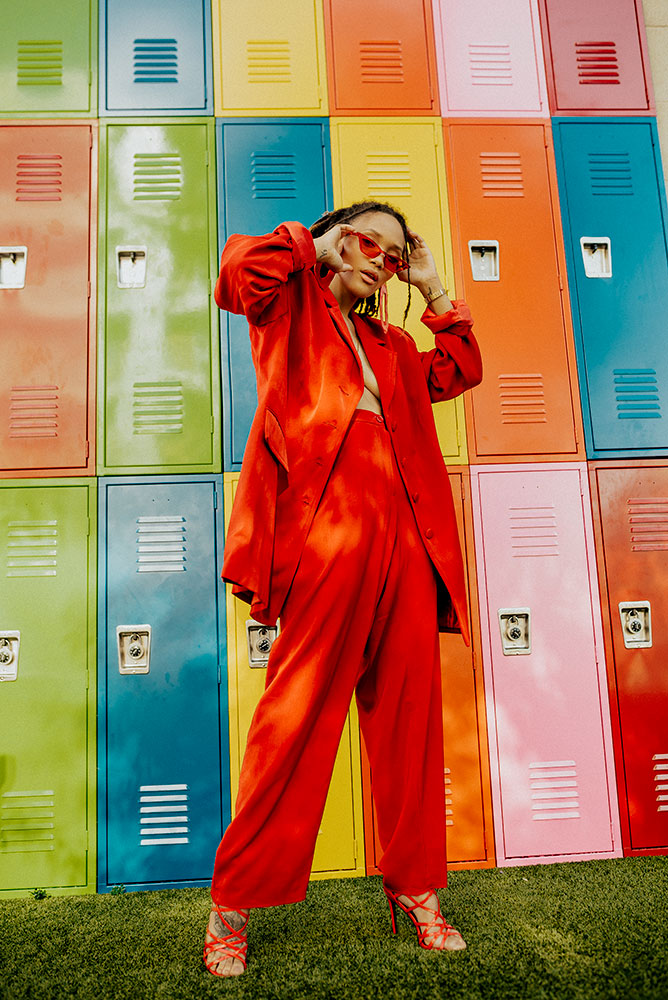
(436,934)
(232,945)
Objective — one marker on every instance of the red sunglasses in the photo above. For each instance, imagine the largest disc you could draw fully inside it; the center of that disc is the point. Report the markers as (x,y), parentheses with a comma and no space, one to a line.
(370,248)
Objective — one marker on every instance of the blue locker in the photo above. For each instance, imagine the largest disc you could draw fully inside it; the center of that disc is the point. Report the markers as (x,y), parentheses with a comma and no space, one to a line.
(163,761)
(613,209)
(268,171)
(155,57)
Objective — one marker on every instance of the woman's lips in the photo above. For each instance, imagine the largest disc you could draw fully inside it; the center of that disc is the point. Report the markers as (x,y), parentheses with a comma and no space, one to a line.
(369,277)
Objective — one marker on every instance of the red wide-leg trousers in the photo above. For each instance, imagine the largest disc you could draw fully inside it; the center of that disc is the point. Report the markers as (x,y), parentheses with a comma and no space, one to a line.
(360,617)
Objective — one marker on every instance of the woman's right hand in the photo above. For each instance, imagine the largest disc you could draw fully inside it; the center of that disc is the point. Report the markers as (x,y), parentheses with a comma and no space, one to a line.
(328,248)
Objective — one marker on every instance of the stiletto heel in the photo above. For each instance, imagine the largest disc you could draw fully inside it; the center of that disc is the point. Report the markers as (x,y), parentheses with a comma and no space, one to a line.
(393,915)
(435,934)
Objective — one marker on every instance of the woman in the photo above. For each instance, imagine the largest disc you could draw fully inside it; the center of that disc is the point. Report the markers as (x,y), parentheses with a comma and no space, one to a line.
(343,524)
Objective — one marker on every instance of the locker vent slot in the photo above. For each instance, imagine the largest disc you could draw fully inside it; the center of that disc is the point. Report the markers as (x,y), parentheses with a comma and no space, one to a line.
(155,60)
(161,544)
(157,407)
(597,63)
(448,798)
(268,62)
(32,548)
(661,781)
(522,399)
(381,62)
(40,63)
(490,65)
(501,175)
(39,177)
(157,177)
(610,174)
(554,790)
(388,175)
(533,532)
(274,175)
(648,522)
(163,815)
(27,822)
(33,411)
(636,394)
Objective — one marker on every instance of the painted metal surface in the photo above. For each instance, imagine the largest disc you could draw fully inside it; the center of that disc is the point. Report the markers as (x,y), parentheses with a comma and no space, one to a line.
(656,30)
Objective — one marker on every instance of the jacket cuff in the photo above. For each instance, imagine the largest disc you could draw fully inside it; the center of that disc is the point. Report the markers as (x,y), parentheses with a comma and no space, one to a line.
(458,318)
(303,248)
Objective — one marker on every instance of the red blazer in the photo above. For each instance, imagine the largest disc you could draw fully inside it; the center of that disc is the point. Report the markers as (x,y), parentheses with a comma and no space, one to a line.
(309,381)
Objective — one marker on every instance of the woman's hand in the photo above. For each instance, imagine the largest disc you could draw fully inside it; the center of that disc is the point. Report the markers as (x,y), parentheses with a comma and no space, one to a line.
(328,248)
(423,271)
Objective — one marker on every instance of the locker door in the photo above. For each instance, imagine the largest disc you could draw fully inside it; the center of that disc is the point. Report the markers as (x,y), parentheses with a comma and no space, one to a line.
(154,56)
(44,297)
(509,261)
(594,55)
(46,638)
(490,58)
(160,352)
(634,522)
(401,161)
(381,64)
(269,171)
(164,811)
(613,218)
(554,793)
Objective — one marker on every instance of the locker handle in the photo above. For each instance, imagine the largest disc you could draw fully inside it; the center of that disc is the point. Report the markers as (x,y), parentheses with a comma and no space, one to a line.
(636,619)
(260,639)
(134,649)
(515,628)
(597,256)
(13,267)
(9,655)
(484,257)
(131,266)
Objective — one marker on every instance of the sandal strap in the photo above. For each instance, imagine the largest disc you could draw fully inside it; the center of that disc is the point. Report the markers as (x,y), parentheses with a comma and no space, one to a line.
(425,929)
(232,945)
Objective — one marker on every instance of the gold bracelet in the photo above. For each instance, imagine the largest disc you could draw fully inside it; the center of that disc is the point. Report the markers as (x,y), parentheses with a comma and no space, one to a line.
(430,296)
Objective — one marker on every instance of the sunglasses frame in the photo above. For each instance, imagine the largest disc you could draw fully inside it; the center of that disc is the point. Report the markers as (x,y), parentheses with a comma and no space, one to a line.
(395,262)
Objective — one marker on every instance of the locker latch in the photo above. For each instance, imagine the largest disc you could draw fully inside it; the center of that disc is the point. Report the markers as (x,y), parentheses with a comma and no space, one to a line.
(260,639)
(134,648)
(636,623)
(515,625)
(131,267)
(13,267)
(597,256)
(484,256)
(9,655)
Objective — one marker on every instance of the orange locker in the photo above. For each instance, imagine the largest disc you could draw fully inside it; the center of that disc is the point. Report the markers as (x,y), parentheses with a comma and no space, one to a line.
(381,65)
(509,265)
(47,211)
(470,839)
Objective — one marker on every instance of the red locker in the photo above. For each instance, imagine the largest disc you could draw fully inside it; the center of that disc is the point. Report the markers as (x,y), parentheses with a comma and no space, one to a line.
(596,56)
(631,529)
(381,61)
(509,263)
(47,230)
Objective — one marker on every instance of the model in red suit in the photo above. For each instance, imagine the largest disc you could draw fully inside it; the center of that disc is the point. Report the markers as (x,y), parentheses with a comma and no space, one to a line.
(343,524)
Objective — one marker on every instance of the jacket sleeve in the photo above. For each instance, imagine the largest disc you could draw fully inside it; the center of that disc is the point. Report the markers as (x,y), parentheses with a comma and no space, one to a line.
(254,271)
(454,365)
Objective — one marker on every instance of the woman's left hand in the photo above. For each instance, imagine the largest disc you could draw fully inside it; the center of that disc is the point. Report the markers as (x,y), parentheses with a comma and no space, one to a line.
(423,270)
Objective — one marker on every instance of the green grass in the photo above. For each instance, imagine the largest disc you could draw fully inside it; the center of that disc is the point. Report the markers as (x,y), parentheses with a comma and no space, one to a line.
(590,930)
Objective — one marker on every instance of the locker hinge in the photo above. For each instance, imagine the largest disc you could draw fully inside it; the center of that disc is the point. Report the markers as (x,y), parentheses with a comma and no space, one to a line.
(215,499)
(459,438)
(213,424)
(89,289)
(220,674)
(87,687)
(90,84)
(355,849)
(87,448)
(206,157)
(474,662)
(87,527)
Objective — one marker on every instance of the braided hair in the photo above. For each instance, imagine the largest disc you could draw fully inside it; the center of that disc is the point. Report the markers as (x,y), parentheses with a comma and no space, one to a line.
(369,305)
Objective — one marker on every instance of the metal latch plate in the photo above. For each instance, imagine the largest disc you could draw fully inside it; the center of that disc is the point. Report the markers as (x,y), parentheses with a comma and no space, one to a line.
(9,655)
(636,617)
(260,639)
(134,648)
(515,626)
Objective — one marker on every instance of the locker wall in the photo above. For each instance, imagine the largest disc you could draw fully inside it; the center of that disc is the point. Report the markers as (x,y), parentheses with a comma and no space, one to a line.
(656,29)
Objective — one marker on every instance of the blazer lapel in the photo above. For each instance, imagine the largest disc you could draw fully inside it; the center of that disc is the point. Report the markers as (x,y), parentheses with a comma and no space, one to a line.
(382,358)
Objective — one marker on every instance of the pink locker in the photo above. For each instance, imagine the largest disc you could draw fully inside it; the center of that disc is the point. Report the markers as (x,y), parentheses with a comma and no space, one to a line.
(490,58)
(596,56)
(553,783)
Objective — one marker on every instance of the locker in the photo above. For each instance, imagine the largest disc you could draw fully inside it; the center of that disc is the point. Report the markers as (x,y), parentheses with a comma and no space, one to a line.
(596,56)
(656,29)
(510,266)
(631,526)
(155,57)
(47,231)
(47,644)
(400,161)
(470,841)
(268,171)
(381,66)
(553,782)
(612,203)
(164,771)
(272,62)
(339,847)
(48,58)
(159,405)
(490,59)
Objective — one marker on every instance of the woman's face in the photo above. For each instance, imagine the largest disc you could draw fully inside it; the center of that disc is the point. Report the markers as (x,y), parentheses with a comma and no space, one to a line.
(368,273)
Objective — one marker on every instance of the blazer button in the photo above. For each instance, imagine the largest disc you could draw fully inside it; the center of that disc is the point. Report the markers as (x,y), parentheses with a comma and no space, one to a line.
(416,497)
(429,533)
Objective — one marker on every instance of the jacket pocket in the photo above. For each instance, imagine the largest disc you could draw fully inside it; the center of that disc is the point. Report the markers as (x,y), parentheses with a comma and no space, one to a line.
(275,438)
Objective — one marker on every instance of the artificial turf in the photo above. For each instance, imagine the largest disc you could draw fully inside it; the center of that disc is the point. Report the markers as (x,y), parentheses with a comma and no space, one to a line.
(587,930)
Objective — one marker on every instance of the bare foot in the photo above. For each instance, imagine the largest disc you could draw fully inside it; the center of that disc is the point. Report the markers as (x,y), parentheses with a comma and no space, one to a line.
(437,933)
(221,956)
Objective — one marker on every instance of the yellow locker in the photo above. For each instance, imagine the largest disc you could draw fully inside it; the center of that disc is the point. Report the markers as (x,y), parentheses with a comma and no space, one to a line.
(401,161)
(656,26)
(339,849)
(270,61)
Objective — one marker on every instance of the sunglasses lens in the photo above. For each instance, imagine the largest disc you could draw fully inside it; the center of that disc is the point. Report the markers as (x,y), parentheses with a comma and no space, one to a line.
(370,248)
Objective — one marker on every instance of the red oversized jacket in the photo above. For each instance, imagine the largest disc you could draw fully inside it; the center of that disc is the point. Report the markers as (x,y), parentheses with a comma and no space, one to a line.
(309,381)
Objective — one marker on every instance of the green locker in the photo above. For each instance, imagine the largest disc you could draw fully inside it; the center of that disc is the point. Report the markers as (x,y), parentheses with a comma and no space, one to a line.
(47,686)
(159,378)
